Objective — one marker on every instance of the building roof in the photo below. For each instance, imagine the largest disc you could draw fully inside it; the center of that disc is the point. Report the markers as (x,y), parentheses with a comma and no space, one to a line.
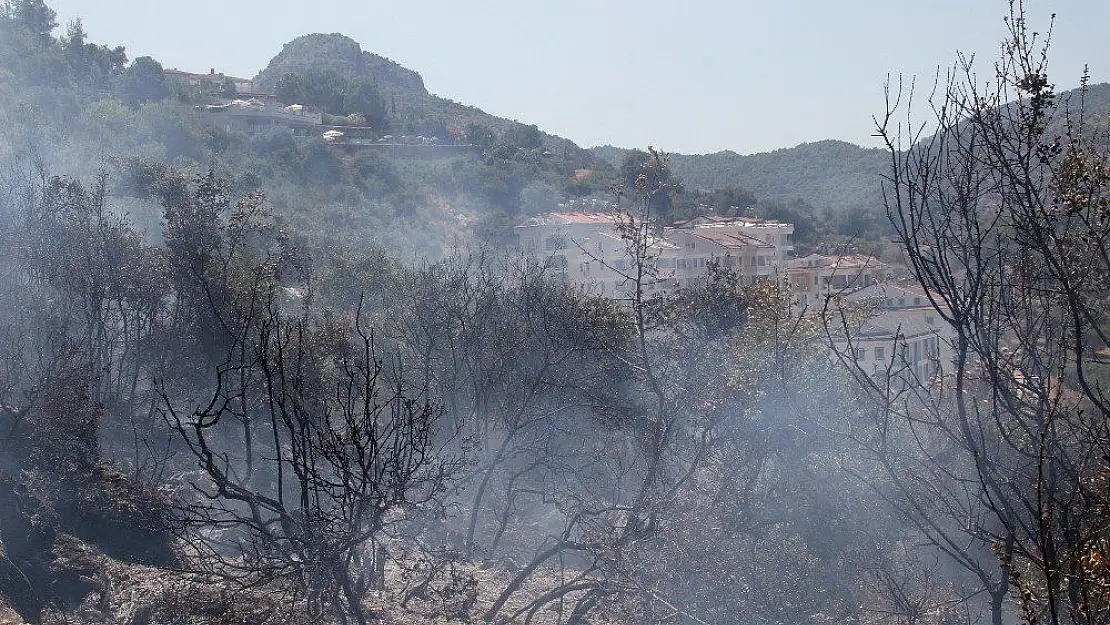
(656,242)
(910,322)
(731,240)
(716,221)
(913,296)
(848,261)
(567,219)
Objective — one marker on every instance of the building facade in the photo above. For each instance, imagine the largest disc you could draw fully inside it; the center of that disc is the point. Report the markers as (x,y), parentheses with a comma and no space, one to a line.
(587,249)
(816,276)
(892,329)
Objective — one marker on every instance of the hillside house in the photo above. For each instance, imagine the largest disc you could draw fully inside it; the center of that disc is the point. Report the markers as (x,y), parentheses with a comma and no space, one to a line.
(210,82)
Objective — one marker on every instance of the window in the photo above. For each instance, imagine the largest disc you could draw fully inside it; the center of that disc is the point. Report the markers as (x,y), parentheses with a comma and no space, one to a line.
(859,353)
(880,353)
(555,242)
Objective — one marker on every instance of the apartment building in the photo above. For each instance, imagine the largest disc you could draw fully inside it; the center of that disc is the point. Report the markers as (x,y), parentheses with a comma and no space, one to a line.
(815,276)
(588,250)
(895,328)
(756,249)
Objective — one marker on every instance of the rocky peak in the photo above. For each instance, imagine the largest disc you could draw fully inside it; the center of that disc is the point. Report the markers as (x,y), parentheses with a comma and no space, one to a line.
(343,55)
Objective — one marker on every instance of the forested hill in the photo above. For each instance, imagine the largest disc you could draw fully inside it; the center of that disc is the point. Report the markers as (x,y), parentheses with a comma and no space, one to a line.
(402,90)
(829,175)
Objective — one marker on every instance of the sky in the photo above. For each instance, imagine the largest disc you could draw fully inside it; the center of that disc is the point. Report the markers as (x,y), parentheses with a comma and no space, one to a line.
(690,76)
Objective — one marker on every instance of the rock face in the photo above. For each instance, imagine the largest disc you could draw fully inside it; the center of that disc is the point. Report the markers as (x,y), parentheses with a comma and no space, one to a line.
(342,54)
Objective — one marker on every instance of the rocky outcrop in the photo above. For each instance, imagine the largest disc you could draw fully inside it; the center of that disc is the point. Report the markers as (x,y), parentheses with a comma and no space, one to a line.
(343,55)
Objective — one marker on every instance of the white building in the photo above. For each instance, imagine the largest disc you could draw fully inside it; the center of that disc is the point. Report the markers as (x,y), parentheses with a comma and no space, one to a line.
(816,276)
(756,249)
(892,328)
(589,251)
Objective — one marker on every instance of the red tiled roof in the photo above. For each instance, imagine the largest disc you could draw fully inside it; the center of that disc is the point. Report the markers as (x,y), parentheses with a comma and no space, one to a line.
(727,239)
(564,219)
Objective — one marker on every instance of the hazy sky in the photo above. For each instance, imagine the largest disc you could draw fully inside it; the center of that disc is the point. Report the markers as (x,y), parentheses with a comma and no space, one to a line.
(689,76)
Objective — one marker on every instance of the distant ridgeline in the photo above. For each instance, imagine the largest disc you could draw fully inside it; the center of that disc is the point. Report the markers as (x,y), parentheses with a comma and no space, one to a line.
(411,109)
(829,175)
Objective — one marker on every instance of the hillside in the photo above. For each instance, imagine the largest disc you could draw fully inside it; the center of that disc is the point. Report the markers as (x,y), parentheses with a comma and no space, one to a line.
(402,88)
(830,175)
(91,109)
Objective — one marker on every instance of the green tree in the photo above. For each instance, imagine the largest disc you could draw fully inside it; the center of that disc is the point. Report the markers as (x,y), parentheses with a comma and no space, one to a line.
(639,171)
(479,136)
(89,63)
(144,81)
(731,201)
(74,41)
(361,96)
(524,137)
(34,16)
(290,89)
